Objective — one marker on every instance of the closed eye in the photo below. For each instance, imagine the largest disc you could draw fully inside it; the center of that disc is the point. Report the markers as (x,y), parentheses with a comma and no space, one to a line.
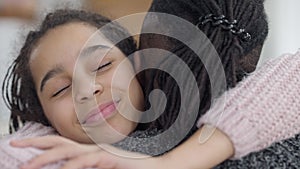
(103,67)
(60,91)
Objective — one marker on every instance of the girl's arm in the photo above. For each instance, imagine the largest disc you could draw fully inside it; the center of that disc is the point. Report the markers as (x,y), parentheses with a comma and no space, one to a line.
(262,109)
(193,154)
(190,155)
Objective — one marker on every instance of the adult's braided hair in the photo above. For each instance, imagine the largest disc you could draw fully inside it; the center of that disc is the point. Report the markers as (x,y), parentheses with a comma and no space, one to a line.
(18,88)
(238,56)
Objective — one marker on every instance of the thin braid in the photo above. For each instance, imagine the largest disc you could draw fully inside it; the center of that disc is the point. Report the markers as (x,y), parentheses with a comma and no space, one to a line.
(231,49)
(229,9)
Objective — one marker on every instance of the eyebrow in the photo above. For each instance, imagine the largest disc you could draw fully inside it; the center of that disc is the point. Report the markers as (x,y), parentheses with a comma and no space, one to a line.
(57,70)
(91,49)
(50,74)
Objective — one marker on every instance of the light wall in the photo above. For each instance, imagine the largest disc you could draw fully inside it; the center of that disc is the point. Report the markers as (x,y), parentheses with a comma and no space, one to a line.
(284,35)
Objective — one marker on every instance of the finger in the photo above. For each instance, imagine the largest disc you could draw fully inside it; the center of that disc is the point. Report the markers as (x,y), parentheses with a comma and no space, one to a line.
(38,142)
(59,153)
(52,155)
(98,159)
(105,160)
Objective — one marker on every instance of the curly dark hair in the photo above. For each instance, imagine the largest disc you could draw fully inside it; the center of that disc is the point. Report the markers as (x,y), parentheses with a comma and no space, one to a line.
(18,88)
(238,56)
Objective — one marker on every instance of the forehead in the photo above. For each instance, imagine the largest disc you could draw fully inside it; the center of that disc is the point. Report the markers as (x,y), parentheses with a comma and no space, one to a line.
(61,46)
(67,40)
(63,39)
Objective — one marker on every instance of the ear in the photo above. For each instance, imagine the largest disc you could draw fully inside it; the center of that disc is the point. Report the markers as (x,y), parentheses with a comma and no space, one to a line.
(249,62)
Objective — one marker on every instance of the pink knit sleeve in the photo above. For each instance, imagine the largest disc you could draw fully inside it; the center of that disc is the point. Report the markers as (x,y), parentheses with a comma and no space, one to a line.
(262,109)
(12,158)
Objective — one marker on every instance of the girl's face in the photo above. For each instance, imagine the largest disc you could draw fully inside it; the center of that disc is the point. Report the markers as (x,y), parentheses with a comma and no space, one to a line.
(101,97)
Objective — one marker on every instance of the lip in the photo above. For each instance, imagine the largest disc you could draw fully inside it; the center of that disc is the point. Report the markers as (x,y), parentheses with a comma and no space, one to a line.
(100,113)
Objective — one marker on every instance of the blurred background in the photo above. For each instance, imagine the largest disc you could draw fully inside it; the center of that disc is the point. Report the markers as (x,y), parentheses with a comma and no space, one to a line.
(18,16)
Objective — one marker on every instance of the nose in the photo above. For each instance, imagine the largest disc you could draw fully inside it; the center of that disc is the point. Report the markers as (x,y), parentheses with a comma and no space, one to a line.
(88,92)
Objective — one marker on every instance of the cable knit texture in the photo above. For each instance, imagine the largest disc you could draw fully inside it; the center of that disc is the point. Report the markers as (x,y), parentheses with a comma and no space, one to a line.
(12,158)
(262,109)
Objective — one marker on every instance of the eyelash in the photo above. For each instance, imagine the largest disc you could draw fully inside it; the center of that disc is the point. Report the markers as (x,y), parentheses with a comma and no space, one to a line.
(98,69)
(103,66)
(61,90)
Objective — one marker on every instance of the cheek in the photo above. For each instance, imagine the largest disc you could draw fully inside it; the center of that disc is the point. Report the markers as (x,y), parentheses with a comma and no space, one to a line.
(122,78)
(116,81)
(121,126)
(59,114)
(135,90)
(126,81)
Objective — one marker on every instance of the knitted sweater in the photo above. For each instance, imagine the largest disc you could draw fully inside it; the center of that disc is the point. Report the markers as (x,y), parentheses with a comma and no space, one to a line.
(11,157)
(267,119)
(262,109)
(282,154)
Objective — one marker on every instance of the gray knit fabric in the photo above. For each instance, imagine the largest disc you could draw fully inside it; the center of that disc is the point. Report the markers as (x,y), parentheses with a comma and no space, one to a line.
(146,142)
(283,154)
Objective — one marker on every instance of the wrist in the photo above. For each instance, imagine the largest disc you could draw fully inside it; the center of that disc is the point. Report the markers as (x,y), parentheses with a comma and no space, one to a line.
(195,155)
(170,160)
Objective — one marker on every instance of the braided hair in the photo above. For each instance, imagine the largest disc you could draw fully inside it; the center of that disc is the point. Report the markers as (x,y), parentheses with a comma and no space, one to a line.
(19,92)
(238,56)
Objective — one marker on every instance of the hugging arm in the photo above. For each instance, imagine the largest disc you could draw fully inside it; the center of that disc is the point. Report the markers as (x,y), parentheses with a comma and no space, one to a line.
(69,154)
(262,109)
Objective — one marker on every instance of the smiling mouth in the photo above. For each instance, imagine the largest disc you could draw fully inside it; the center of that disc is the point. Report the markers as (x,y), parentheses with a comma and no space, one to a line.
(102,112)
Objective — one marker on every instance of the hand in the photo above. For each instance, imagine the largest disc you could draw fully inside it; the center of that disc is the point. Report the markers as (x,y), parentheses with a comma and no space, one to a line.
(190,154)
(196,152)
(83,156)
(114,158)
(56,148)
